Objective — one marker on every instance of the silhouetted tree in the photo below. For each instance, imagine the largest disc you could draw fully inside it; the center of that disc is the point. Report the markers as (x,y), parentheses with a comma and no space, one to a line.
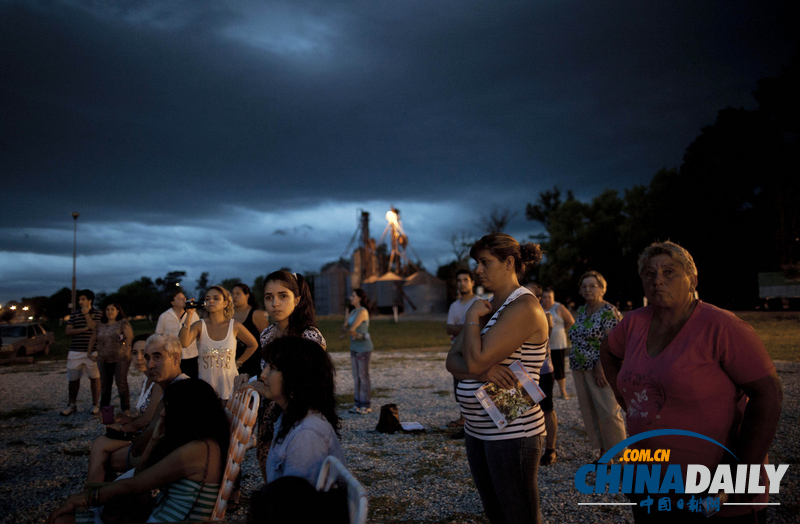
(141,297)
(202,283)
(171,281)
(496,221)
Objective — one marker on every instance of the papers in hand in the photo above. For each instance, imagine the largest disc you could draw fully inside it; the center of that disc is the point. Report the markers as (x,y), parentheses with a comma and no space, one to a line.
(506,405)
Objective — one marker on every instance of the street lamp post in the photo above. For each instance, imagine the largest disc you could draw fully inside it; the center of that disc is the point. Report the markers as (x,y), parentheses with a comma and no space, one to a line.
(74,255)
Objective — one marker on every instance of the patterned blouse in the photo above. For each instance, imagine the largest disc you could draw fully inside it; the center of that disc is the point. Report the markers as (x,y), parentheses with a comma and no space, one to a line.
(587,333)
(111,345)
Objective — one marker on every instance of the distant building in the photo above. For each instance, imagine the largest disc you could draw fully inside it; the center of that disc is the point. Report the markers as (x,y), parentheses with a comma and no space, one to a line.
(331,290)
(426,292)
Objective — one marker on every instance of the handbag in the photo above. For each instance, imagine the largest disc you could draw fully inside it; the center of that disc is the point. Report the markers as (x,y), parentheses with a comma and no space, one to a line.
(389,420)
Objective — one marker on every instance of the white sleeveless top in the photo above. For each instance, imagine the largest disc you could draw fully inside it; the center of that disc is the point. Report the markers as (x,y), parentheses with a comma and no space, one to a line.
(478,423)
(217,362)
(558,337)
(144,397)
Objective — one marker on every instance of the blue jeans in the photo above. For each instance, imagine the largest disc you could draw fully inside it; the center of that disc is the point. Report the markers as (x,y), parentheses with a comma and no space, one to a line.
(506,475)
(361,386)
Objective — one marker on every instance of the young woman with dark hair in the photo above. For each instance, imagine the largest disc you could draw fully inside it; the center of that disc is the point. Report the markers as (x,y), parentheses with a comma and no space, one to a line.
(299,378)
(114,337)
(185,459)
(254,320)
(288,301)
(357,327)
(511,327)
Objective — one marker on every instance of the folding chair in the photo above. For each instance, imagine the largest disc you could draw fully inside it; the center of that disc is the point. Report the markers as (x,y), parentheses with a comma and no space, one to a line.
(332,472)
(242,411)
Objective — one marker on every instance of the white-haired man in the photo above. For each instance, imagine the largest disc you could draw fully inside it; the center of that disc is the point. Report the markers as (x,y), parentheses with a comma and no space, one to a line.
(163,355)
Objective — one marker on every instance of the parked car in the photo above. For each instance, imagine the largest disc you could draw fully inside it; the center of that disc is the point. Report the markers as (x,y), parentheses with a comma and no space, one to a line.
(25,339)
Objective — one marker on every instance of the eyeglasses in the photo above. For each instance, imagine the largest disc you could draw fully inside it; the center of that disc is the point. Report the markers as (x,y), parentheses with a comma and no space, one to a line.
(590,286)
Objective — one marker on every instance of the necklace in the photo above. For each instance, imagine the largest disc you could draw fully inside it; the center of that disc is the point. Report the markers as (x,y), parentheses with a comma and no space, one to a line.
(591,311)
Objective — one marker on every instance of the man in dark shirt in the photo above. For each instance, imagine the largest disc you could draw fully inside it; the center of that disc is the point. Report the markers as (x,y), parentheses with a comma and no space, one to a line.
(81,327)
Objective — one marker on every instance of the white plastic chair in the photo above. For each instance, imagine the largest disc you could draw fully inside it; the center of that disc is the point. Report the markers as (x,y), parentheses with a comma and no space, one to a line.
(242,411)
(333,471)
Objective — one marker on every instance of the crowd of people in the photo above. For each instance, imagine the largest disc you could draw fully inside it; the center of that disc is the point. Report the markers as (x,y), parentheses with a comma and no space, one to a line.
(677,363)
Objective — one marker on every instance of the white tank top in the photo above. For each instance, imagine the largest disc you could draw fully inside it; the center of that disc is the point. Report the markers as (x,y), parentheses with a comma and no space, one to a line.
(217,362)
(558,338)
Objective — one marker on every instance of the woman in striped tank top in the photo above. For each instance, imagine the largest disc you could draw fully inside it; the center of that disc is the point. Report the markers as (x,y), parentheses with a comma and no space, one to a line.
(512,326)
(185,460)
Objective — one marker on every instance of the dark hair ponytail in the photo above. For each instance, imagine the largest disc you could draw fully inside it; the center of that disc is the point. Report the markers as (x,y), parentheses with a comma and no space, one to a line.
(502,246)
(362,295)
(303,315)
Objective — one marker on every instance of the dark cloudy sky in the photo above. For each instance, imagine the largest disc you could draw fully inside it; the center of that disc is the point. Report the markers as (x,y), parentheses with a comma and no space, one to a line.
(239,137)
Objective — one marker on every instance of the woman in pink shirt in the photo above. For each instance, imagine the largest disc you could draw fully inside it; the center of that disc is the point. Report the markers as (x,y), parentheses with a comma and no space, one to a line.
(682,364)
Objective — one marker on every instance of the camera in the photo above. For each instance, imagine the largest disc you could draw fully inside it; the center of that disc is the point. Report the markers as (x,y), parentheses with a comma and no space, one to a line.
(193,304)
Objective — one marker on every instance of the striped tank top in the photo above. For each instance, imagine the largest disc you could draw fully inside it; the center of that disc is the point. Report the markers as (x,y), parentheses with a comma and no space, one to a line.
(478,423)
(175,503)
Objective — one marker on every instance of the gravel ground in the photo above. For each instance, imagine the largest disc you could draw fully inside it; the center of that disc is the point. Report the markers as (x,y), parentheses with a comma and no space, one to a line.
(409,478)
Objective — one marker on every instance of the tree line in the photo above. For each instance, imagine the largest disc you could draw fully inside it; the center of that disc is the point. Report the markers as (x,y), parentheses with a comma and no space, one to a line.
(143,297)
(734,203)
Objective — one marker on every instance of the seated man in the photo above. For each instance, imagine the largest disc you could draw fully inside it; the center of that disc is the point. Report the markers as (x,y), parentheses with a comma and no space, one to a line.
(163,357)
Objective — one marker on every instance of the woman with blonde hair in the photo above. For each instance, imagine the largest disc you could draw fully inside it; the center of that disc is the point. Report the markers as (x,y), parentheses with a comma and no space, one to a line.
(216,342)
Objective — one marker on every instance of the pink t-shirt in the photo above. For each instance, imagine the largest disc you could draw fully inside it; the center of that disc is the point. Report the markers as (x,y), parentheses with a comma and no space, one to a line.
(691,384)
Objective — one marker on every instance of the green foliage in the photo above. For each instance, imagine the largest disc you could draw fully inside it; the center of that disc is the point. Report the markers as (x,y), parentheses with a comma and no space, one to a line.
(496,221)
(228,283)
(202,283)
(386,334)
(140,297)
(732,204)
(448,274)
(171,281)
(778,330)
(257,289)
(58,304)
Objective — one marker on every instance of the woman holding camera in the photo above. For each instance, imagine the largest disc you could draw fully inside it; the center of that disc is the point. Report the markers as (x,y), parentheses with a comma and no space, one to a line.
(216,342)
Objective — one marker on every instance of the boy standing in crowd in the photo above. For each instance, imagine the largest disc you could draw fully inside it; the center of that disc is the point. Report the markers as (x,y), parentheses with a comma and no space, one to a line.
(456,317)
(81,327)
